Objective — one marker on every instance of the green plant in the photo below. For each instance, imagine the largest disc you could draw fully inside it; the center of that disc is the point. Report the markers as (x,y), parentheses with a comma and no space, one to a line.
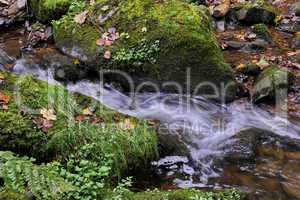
(18,134)
(76,6)
(137,55)
(21,175)
(131,149)
(89,176)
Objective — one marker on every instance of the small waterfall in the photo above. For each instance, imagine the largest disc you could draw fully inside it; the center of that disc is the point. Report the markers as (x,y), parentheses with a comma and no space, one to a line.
(205,126)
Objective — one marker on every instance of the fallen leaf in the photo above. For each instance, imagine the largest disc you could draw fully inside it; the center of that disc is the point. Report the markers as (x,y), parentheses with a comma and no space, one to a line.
(87,111)
(100,42)
(76,62)
(81,17)
(108,42)
(92,2)
(105,8)
(240,67)
(263,63)
(4,99)
(48,114)
(127,124)
(107,55)
(80,118)
(43,124)
(2,77)
(144,29)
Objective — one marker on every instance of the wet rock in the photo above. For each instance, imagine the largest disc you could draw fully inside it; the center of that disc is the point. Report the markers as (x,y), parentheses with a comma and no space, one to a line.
(290,26)
(269,168)
(235,45)
(243,147)
(220,25)
(256,45)
(256,12)
(5,60)
(296,42)
(37,33)
(272,84)
(291,176)
(262,32)
(167,51)
(172,142)
(12,11)
(295,9)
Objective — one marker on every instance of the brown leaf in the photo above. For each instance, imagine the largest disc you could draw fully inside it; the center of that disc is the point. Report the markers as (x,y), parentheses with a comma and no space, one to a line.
(127,124)
(107,55)
(48,114)
(2,77)
(4,99)
(100,42)
(81,17)
(108,43)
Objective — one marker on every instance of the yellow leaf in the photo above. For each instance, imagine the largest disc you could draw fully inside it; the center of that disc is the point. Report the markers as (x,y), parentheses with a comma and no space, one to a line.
(2,77)
(76,62)
(298,34)
(241,67)
(87,111)
(48,114)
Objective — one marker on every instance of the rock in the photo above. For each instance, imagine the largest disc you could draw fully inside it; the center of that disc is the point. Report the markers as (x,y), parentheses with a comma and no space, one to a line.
(256,45)
(251,70)
(5,60)
(46,10)
(262,31)
(220,25)
(37,33)
(171,142)
(243,148)
(12,11)
(272,84)
(296,42)
(161,41)
(235,45)
(290,27)
(291,182)
(295,9)
(258,12)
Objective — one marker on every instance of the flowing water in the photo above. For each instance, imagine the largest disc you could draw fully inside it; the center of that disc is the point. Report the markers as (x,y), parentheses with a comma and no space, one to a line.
(206,128)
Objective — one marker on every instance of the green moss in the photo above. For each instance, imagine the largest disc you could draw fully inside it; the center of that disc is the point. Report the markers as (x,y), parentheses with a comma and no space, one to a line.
(10,195)
(47,10)
(261,29)
(132,149)
(186,194)
(18,134)
(186,40)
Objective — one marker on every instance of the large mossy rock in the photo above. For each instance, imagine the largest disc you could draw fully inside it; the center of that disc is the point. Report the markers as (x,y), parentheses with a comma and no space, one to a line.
(47,10)
(272,84)
(258,11)
(161,40)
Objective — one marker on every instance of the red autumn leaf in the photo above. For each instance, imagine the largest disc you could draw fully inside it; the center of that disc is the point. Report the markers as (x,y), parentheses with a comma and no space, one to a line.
(81,118)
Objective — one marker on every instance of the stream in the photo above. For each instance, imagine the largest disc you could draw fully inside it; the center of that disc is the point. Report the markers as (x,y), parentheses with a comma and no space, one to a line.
(219,146)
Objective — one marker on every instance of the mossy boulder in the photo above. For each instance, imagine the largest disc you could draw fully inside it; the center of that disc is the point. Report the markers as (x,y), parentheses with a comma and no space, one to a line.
(131,148)
(259,11)
(272,84)
(160,41)
(47,10)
